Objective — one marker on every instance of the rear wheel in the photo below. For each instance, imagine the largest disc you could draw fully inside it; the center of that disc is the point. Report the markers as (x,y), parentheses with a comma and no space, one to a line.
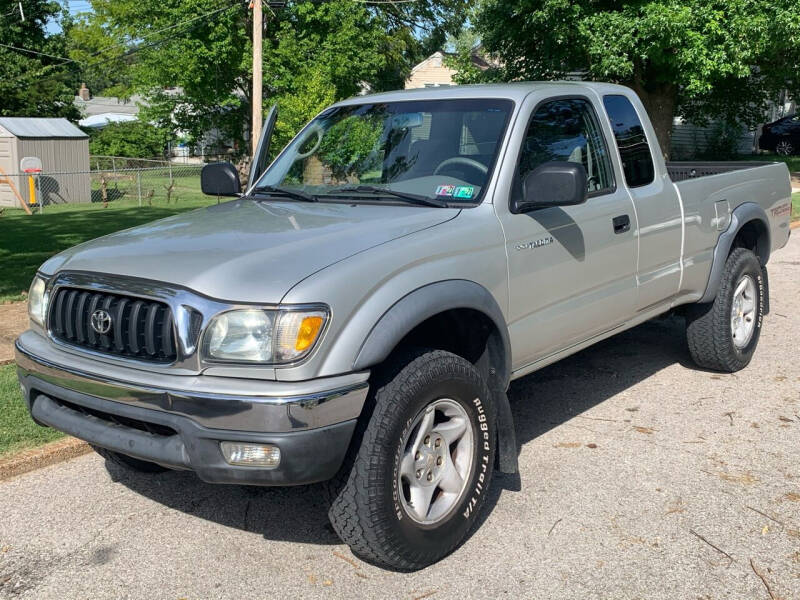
(723,334)
(128,462)
(422,469)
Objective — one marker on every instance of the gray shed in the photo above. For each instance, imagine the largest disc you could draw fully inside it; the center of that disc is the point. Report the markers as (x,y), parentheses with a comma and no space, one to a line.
(63,150)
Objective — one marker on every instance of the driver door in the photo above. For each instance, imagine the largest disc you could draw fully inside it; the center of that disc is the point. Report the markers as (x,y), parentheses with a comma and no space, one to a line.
(261,157)
(572,269)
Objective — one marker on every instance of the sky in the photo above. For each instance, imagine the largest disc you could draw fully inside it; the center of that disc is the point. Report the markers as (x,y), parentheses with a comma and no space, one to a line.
(74,7)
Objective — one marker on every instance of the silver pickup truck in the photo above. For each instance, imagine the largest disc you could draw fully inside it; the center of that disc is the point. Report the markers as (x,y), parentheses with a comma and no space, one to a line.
(356,315)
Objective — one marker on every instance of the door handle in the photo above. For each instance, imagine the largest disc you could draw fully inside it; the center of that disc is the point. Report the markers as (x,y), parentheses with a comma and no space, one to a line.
(622,223)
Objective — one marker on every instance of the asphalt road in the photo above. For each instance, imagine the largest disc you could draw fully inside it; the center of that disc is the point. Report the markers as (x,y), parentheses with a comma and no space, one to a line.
(641,477)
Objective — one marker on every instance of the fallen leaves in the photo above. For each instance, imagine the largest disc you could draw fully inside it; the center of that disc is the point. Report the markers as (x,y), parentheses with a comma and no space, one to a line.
(352,562)
(744,478)
(645,430)
(675,507)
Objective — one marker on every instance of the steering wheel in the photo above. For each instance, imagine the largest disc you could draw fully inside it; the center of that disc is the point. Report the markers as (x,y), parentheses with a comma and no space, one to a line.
(315,130)
(462,160)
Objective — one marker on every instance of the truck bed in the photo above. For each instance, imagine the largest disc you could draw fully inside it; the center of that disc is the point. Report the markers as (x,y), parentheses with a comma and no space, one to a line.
(711,191)
(681,171)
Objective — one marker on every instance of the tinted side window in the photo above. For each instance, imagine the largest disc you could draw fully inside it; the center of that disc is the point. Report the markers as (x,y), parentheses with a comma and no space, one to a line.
(567,130)
(637,162)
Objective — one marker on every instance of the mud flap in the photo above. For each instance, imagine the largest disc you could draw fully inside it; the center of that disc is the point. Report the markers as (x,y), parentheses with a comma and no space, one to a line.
(506,437)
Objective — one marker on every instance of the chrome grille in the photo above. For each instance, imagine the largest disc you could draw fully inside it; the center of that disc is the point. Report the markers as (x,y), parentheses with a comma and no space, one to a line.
(140,328)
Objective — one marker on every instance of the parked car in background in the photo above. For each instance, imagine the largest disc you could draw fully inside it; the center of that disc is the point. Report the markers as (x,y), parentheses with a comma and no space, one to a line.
(781,136)
(356,316)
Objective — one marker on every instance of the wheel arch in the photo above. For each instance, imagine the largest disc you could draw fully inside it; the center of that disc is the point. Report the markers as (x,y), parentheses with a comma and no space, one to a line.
(459,316)
(749,228)
(428,302)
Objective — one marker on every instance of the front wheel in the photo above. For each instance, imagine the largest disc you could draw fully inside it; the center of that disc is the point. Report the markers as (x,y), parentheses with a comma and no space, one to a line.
(423,467)
(723,334)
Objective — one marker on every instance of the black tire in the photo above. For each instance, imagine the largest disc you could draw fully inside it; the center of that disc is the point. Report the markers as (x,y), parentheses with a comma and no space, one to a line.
(366,511)
(708,326)
(128,462)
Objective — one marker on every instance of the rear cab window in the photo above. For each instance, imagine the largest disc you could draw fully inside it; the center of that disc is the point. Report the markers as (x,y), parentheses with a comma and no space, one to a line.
(637,161)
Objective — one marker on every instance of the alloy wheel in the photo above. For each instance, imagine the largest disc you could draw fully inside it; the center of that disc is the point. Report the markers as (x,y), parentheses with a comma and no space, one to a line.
(438,455)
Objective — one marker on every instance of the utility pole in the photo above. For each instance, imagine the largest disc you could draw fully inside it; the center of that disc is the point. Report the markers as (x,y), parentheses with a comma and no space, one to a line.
(258,28)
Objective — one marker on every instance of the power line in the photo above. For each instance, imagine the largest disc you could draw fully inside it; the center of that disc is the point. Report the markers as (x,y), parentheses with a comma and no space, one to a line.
(131,50)
(168,28)
(64,59)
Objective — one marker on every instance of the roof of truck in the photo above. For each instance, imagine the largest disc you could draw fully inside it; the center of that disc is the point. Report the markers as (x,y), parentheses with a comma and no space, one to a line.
(513,91)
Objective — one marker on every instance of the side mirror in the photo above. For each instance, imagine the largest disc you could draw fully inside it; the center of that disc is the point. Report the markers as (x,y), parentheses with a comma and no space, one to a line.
(220,179)
(556,183)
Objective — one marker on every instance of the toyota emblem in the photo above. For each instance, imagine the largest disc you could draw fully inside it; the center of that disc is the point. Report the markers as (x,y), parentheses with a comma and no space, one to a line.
(101,321)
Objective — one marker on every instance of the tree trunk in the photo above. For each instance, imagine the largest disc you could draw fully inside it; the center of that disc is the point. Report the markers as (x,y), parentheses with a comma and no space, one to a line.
(660,101)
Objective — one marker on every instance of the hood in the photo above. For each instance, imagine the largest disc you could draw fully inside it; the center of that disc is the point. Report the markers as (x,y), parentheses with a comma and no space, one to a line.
(247,251)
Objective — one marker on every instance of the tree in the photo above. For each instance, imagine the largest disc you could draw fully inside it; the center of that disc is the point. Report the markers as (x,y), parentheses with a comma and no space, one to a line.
(34,85)
(700,59)
(134,139)
(105,63)
(192,59)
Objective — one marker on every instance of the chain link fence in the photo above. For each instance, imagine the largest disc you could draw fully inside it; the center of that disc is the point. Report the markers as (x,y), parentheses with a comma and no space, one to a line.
(112,181)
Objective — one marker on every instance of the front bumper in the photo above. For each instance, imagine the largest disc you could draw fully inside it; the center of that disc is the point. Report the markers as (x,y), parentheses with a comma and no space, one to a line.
(179,421)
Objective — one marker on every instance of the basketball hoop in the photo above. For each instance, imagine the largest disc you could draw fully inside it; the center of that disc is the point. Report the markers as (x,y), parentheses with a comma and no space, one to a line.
(32,166)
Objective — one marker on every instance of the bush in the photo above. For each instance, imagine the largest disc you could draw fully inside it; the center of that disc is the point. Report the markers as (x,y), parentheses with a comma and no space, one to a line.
(722,142)
(134,139)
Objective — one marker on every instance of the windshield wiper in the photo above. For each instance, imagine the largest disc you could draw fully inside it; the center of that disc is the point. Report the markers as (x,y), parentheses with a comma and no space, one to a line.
(379,191)
(274,190)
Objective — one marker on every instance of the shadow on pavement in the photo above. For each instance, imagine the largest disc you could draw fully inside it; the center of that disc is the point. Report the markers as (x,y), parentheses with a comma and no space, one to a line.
(540,402)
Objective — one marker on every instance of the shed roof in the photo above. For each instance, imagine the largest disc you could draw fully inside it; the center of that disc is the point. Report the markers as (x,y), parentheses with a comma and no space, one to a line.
(35,127)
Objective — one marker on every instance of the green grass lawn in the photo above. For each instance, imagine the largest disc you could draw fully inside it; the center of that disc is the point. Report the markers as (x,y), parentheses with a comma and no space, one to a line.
(795,206)
(27,241)
(17,429)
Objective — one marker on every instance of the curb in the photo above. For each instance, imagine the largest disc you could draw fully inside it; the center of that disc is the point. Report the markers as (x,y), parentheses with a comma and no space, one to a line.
(43,456)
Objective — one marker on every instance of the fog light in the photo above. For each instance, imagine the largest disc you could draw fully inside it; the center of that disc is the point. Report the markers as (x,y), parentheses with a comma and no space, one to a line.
(265,456)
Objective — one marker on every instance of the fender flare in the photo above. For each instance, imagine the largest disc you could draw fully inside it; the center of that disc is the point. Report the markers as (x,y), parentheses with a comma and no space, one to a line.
(423,303)
(742,214)
(430,300)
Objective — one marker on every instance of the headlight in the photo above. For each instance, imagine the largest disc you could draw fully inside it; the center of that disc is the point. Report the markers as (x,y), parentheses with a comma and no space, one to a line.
(263,336)
(37,301)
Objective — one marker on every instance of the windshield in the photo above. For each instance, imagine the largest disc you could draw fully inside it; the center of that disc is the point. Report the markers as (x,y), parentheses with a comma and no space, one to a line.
(443,149)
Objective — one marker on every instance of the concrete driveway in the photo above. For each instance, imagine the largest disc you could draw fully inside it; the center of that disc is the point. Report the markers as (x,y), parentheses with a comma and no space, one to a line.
(641,477)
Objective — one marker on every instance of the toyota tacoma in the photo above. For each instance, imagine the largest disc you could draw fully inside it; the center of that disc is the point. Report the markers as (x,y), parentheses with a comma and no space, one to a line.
(355,313)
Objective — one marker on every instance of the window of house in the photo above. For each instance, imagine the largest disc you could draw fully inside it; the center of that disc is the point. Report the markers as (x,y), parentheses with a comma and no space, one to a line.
(567,130)
(637,162)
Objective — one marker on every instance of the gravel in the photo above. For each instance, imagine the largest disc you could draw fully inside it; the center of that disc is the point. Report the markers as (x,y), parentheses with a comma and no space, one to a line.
(641,477)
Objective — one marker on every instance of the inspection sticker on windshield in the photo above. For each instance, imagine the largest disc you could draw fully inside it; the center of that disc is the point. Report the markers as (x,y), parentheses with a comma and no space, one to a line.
(445,190)
(464,191)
